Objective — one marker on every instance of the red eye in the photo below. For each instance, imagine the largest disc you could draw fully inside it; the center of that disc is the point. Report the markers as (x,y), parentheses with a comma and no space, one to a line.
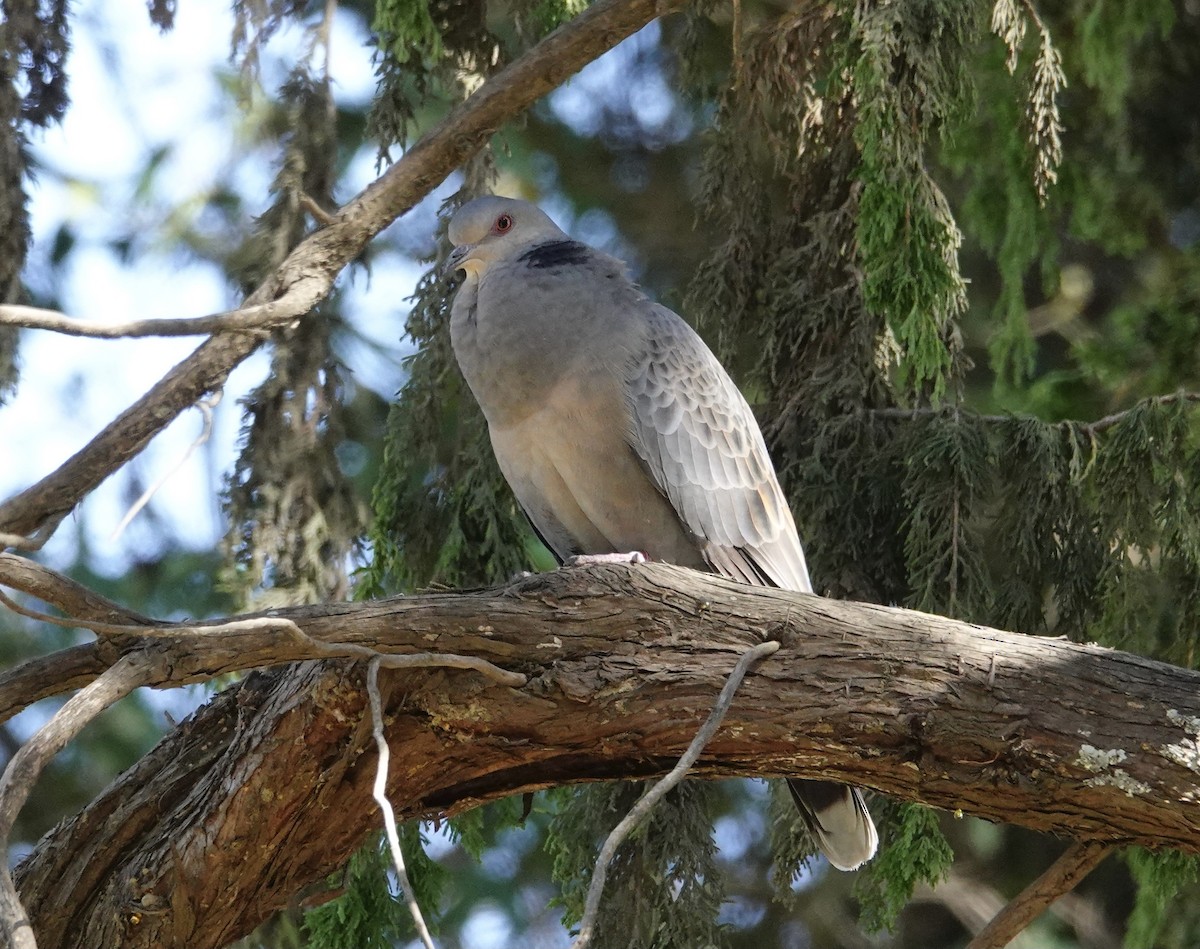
(504,223)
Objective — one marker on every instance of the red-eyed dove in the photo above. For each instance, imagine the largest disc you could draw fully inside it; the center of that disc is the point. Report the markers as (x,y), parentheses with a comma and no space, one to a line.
(619,430)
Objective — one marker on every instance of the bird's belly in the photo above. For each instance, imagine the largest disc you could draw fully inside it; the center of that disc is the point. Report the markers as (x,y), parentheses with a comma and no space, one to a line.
(585,490)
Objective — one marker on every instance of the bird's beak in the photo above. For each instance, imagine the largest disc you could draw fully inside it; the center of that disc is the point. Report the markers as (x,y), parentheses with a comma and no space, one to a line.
(457,256)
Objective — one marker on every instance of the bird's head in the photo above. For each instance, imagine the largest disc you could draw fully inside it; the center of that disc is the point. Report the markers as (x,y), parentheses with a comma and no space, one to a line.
(494,228)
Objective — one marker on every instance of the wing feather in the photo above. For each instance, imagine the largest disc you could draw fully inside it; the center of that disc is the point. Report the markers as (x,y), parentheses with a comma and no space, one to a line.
(701,444)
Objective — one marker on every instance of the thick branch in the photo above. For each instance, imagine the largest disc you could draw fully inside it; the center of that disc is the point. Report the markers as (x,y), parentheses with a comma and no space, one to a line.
(59,590)
(228,817)
(307,276)
(1066,873)
(22,772)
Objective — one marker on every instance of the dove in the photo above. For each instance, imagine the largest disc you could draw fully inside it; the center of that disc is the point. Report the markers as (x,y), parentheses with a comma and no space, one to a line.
(620,433)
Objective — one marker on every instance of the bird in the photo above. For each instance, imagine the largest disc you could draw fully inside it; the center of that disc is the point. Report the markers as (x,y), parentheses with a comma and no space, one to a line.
(621,434)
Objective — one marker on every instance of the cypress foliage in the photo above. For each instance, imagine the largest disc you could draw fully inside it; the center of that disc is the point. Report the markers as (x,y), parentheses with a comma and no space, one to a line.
(665,889)
(295,519)
(368,914)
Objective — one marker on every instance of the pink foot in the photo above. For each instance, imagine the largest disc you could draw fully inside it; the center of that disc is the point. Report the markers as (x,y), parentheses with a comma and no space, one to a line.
(634,556)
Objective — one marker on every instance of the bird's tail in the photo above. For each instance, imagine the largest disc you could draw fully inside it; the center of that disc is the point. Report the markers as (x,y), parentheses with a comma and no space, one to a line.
(839,820)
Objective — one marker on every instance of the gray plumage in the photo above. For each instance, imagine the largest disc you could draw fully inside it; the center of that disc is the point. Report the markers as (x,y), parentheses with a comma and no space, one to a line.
(618,430)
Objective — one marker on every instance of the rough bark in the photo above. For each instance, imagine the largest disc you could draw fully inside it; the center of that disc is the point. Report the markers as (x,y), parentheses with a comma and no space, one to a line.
(267,788)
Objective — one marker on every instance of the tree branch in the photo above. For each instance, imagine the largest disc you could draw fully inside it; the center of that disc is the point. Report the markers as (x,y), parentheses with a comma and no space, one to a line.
(307,275)
(47,676)
(73,598)
(246,319)
(178,632)
(206,407)
(227,818)
(1066,873)
(25,766)
(647,802)
(1093,428)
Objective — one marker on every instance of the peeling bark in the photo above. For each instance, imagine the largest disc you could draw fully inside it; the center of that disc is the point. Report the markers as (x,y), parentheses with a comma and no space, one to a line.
(267,788)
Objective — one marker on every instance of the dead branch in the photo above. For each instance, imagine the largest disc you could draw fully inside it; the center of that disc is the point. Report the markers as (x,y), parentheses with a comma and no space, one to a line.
(25,766)
(245,319)
(69,596)
(1066,873)
(646,803)
(46,676)
(379,792)
(206,407)
(180,632)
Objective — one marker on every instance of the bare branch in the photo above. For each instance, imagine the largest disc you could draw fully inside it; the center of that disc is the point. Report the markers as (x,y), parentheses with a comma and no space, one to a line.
(206,407)
(317,648)
(37,537)
(307,275)
(1066,873)
(20,542)
(69,596)
(1099,425)
(318,213)
(646,803)
(389,816)
(246,319)
(46,676)
(18,779)
(1117,417)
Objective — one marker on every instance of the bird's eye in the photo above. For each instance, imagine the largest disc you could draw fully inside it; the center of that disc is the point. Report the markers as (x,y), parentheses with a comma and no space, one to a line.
(504,223)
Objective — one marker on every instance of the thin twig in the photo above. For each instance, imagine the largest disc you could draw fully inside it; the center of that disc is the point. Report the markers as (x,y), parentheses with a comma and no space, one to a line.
(206,407)
(245,319)
(36,539)
(73,622)
(1099,425)
(738,63)
(318,213)
(379,792)
(131,671)
(325,36)
(954,531)
(418,660)
(1117,417)
(1066,873)
(638,813)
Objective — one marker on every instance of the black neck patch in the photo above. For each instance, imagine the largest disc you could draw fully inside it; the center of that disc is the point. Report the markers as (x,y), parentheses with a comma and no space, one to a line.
(556,254)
